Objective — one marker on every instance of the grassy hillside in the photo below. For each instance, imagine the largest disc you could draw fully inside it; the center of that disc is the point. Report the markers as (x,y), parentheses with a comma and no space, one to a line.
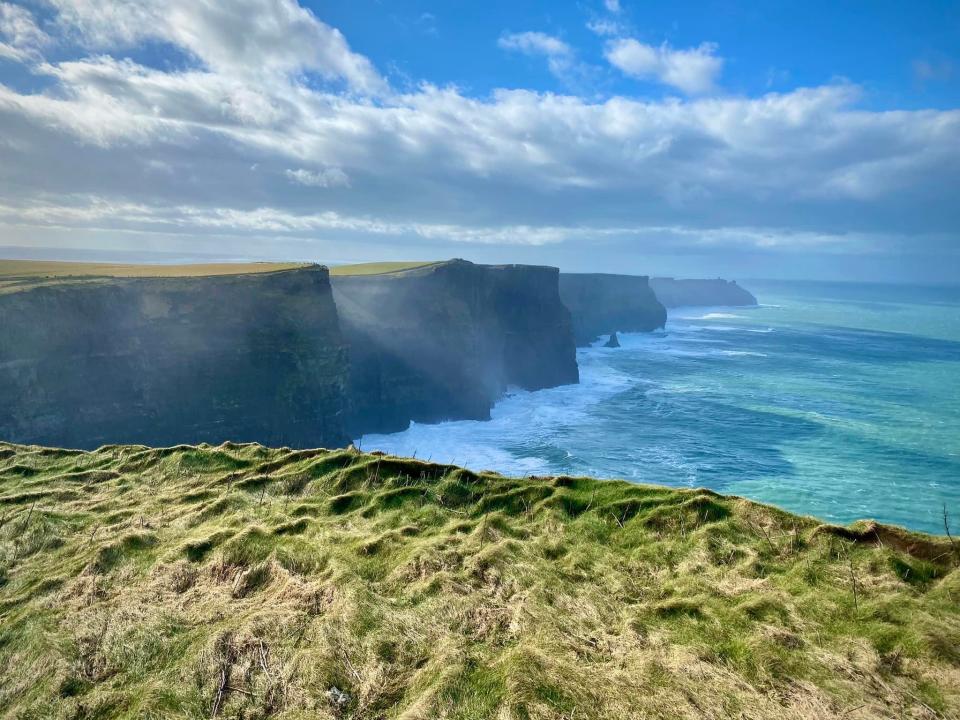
(376,268)
(21,274)
(243,582)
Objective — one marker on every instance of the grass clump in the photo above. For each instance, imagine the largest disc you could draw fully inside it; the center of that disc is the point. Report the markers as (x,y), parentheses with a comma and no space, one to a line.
(244,582)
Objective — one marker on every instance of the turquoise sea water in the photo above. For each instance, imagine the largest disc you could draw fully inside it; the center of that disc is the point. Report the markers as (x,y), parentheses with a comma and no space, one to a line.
(835,400)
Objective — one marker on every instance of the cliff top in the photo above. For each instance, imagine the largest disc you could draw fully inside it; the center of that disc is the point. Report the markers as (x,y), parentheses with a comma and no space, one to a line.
(722,281)
(377,268)
(241,581)
(586,275)
(390,268)
(23,274)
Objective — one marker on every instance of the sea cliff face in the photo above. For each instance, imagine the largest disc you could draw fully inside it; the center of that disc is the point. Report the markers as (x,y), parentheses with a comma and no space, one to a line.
(443,341)
(167,360)
(91,359)
(602,303)
(678,293)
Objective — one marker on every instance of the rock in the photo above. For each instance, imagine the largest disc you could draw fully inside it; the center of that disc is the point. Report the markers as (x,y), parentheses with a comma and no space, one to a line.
(613,342)
(337,698)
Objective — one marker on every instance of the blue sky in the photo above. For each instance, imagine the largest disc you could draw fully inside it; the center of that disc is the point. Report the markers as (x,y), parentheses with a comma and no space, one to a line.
(776,139)
(766,46)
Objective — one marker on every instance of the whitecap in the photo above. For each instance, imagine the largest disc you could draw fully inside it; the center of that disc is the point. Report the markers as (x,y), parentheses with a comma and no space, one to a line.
(715,316)
(742,353)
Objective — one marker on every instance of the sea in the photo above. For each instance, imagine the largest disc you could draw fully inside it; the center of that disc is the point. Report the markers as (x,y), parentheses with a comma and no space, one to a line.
(837,400)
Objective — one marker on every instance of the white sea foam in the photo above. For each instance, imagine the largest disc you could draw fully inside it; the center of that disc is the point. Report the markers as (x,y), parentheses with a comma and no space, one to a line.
(742,353)
(714,316)
(522,424)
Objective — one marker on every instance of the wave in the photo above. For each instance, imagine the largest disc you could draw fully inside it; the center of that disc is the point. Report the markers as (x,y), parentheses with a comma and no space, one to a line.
(715,316)
(742,353)
(521,437)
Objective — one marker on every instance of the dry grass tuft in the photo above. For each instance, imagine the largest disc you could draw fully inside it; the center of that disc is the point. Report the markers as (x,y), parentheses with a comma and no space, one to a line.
(244,582)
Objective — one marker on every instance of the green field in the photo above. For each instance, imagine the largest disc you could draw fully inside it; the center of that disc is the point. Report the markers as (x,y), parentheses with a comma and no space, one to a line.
(22,274)
(244,582)
(377,268)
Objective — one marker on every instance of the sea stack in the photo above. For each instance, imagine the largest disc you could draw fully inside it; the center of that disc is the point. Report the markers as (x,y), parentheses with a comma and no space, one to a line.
(613,342)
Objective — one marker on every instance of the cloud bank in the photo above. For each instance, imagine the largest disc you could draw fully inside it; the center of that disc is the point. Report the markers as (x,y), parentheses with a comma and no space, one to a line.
(271,127)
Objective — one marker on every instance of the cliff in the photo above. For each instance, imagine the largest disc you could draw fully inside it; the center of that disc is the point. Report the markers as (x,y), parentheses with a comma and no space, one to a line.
(444,340)
(678,293)
(601,304)
(88,359)
(244,582)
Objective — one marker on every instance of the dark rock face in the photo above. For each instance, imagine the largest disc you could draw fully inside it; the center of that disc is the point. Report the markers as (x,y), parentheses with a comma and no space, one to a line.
(613,342)
(161,361)
(444,341)
(600,303)
(679,293)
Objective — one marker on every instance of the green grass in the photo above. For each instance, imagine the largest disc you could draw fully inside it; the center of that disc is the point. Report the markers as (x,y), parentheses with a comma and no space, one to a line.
(245,582)
(376,268)
(23,274)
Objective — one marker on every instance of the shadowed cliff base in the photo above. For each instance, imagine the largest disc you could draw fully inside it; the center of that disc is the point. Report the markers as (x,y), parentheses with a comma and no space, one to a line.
(443,340)
(239,581)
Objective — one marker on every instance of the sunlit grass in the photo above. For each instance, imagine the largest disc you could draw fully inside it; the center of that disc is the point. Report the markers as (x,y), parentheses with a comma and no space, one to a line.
(245,582)
(21,274)
(376,268)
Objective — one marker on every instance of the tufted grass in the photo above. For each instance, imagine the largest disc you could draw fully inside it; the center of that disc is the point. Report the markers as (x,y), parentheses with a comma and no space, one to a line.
(245,582)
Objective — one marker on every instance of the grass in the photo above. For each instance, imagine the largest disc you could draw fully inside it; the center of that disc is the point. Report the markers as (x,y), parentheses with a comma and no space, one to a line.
(376,268)
(22,274)
(246,582)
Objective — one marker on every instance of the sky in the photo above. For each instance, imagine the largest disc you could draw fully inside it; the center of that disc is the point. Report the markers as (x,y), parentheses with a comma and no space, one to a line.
(779,139)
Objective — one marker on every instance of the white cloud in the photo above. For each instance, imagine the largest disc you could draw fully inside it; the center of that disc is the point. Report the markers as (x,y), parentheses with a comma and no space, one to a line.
(534,43)
(559,55)
(19,27)
(612,5)
(693,70)
(9,52)
(22,37)
(604,27)
(245,38)
(95,213)
(174,150)
(325,178)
